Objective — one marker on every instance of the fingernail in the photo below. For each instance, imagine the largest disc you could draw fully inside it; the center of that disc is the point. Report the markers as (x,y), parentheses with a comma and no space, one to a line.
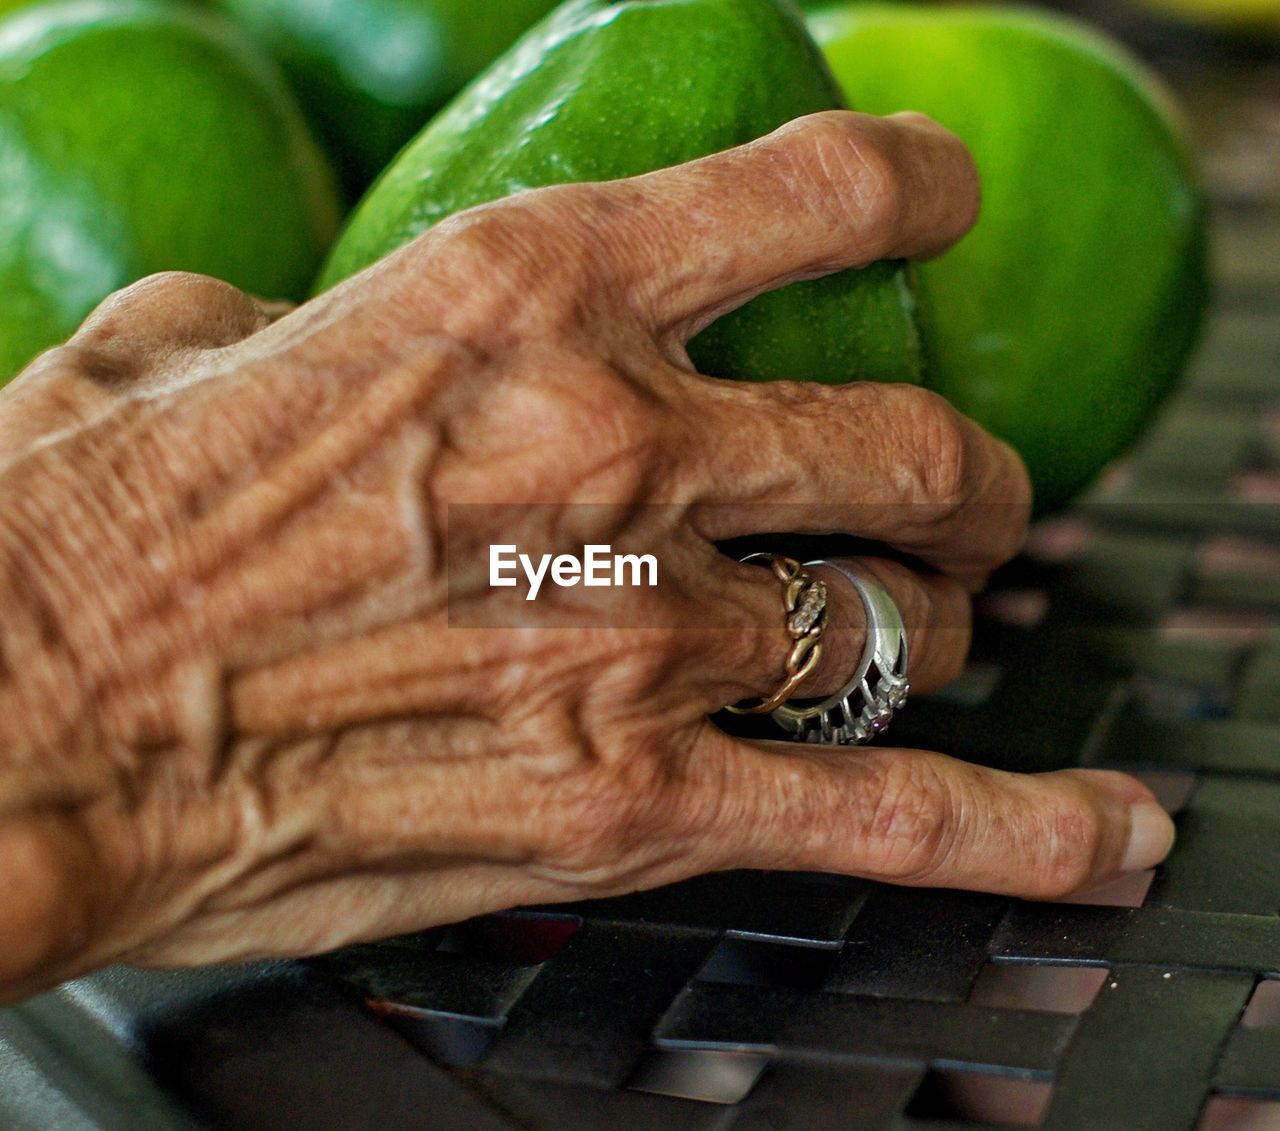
(1151,834)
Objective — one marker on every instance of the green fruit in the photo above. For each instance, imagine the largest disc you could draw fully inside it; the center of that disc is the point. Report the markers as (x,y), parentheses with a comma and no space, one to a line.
(1064,318)
(136,139)
(614,88)
(370,73)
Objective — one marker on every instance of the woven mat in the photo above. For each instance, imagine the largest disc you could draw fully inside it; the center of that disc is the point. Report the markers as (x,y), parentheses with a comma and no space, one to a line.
(1143,632)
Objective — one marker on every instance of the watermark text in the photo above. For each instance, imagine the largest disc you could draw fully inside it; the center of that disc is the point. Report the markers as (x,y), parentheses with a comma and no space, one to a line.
(598,568)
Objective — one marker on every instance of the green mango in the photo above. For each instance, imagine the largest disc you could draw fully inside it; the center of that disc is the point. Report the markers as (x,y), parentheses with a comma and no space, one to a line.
(138,137)
(371,73)
(1065,317)
(604,89)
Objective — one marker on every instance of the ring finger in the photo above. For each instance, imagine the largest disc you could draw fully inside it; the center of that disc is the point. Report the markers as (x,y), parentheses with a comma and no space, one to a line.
(750,659)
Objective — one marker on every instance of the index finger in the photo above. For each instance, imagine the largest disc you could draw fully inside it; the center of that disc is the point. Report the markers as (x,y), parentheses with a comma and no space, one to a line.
(827,192)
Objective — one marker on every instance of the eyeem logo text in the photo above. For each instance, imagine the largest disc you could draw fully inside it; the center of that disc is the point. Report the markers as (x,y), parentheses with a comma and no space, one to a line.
(599,567)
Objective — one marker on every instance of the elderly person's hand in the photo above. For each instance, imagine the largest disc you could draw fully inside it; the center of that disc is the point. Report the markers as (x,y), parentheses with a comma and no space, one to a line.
(235,719)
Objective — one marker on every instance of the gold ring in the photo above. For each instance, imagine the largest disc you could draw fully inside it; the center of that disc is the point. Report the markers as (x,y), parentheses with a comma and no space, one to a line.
(804,602)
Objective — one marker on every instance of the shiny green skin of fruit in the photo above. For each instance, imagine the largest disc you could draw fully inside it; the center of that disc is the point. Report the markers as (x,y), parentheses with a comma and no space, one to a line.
(1062,321)
(135,139)
(371,73)
(602,90)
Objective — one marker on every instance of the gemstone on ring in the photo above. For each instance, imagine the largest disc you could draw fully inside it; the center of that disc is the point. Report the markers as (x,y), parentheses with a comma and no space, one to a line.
(812,605)
(804,601)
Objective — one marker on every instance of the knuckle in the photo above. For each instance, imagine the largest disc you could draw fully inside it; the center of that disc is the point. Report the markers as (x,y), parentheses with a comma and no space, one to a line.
(522,257)
(607,429)
(908,822)
(602,824)
(578,838)
(615,810)
(164,286)
(848,156)
(640,672)
(593,444)
(1068,860)
(626,419)
(175,290)
(491,254)
(931,434)
(170,311)
(488,237)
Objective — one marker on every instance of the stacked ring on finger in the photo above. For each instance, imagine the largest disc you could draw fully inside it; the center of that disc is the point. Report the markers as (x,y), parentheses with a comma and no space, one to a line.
(862,709)
(804,602)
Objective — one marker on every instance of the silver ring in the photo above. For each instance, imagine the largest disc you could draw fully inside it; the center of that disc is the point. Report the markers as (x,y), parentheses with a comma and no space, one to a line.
(860,710)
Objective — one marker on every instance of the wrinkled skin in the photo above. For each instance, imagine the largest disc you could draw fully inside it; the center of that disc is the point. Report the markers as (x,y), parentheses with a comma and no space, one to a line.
(234,719)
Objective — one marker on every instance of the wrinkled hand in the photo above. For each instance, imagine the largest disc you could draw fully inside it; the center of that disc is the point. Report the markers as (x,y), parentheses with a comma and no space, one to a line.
(234,717)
